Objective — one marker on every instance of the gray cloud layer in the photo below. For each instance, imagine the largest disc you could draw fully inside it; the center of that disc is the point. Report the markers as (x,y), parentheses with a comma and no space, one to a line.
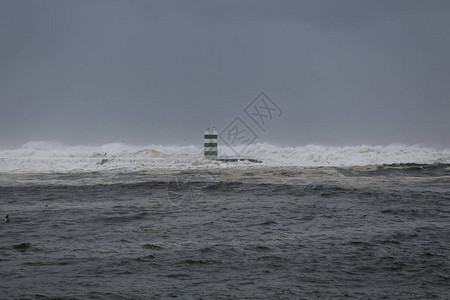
(344,72)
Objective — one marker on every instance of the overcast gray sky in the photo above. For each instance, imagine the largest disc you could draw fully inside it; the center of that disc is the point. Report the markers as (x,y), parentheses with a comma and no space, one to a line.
(159,72)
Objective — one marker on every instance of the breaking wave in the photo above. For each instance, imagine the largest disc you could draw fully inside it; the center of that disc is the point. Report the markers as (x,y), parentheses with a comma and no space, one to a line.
(56,157)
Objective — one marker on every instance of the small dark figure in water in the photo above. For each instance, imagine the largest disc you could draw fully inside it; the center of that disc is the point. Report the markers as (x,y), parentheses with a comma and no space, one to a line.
(7,219)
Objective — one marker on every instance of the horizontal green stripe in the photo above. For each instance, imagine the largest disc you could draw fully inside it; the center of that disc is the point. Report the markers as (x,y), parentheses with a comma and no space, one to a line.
(210,145)
(210,136)
(211,153)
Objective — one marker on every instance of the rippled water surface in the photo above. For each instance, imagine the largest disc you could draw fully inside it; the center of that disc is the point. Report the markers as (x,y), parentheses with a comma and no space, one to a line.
(366,232)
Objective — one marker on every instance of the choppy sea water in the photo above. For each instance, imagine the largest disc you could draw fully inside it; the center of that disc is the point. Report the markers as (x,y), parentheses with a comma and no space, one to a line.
(263,233)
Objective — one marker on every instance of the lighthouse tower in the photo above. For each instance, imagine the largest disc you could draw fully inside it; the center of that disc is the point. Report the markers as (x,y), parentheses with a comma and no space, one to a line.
(210,144)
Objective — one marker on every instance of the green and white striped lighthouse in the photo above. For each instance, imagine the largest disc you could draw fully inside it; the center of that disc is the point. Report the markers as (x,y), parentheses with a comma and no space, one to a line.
(210,143)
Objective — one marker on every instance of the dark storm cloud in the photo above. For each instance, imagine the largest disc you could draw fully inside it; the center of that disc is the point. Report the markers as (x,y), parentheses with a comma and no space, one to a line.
(344,72)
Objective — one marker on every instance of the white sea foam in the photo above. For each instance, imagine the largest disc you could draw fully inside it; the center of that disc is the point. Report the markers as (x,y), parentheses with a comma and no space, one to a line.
(55,157)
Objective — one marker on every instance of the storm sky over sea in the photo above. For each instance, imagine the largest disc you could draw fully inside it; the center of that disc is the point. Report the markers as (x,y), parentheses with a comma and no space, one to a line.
(343,72)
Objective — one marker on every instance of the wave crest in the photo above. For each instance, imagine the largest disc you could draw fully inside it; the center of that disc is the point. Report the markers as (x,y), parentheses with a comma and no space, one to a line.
(41,156)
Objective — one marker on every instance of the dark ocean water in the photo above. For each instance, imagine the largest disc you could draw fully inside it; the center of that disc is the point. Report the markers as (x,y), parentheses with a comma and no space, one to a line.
(300,233)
